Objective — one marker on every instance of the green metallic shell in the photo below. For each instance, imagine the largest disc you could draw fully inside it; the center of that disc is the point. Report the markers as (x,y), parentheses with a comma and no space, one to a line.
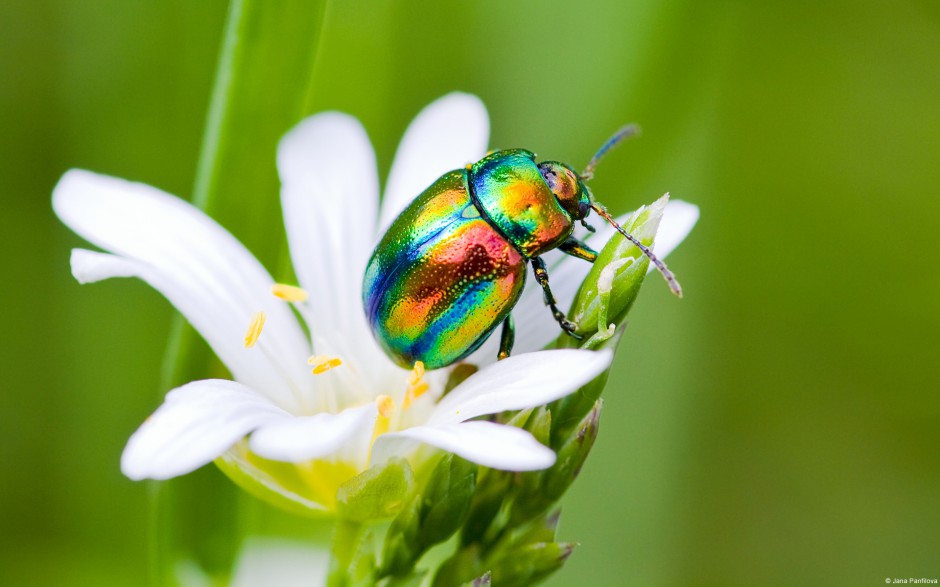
(441,279)
(508,187)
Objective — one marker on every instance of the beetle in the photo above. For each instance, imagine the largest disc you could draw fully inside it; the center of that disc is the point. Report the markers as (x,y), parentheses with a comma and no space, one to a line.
(452,265)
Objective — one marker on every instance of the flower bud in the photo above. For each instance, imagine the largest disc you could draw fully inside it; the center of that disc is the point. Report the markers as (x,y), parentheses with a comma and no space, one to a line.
(530,563)
(611,286)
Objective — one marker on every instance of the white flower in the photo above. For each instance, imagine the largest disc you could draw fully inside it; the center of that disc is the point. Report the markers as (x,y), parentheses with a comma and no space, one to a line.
(283,433)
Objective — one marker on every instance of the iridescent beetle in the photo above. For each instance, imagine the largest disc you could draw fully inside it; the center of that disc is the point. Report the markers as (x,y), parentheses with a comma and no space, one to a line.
(451,267)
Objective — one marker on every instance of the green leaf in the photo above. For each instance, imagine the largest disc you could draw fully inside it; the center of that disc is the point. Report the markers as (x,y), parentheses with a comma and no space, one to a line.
(379,492)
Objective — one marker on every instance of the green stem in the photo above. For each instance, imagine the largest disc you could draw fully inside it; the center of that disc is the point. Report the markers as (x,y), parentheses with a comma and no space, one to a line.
(346,538)
(210,153)
(261,88)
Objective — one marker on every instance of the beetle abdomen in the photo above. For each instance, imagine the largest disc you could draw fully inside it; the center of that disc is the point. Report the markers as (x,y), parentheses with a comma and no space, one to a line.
(441,279)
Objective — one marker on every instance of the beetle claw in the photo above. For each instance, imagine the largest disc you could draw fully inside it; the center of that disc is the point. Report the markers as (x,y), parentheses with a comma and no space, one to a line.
(570,329)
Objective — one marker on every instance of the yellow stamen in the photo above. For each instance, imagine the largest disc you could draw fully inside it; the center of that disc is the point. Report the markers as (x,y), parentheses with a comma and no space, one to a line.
(417,386)
(289,293)
(254,329)
(323,363)
(385,405)
(386,408)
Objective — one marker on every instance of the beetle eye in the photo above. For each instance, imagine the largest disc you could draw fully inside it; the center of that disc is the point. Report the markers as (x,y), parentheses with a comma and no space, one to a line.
(563,182)
(583,210)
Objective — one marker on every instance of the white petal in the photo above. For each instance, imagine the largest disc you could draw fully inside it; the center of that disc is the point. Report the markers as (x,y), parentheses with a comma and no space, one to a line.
(198,266)
(486,443)
(196,423)
(678,219)
(521,381)
(330,196)
(449,133)
(535,326)
(310,437)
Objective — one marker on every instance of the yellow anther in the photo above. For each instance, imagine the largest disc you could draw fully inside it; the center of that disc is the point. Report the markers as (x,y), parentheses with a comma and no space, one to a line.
(254,329)
(289,293)
(323,363)
(417,386)
(417,373)
(385,405)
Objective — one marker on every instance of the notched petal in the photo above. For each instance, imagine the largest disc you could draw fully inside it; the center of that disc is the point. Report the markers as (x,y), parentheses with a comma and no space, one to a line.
(196,423)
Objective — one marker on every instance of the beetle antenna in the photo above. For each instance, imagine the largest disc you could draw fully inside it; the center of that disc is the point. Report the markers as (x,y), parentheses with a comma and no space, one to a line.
(666,273)
(630,130)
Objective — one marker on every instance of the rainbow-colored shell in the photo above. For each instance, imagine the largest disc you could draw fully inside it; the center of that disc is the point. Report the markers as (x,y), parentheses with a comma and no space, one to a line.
(451,267)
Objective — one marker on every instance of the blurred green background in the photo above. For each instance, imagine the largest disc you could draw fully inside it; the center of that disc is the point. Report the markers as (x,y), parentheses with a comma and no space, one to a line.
(780,427)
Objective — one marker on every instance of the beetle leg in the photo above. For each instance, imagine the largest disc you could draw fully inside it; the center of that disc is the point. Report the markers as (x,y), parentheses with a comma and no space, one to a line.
(506,339)
(541,276)
(577,248)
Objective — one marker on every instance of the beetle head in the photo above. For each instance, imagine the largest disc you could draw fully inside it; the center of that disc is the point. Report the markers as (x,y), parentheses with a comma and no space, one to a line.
(568,188)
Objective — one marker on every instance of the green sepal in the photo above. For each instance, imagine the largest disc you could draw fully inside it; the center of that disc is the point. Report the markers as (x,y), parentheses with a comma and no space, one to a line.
(446,502)
(412,579)
(572,455)
(491,492)
(465,566)
(484,580)
(537,491)
(540,424)
(569,412)
(612,284)
(530,563)
(431,517)
(539,530)
(401,549)
(381,491)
